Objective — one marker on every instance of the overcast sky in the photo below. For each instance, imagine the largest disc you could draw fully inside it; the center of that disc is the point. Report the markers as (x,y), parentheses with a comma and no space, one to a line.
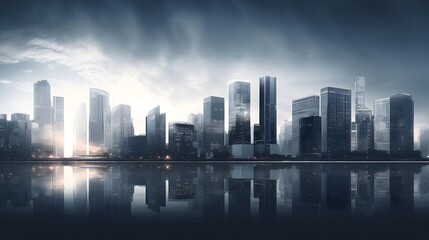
(175,53)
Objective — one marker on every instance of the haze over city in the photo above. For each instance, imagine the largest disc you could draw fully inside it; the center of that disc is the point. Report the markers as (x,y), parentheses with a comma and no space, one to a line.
(175,53)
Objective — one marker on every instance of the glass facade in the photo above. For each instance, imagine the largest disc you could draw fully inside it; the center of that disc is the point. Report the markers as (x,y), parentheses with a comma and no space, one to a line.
(181,140)
(100,136)
(424,142)
(268,109)
(213,124)
(239,113)
(285,138)
(310,135)
(197,121)
(122,128)
(301,108)
(336,120)
(364,124)
(401,123)
(58,127)
(80,131)
(382,124)
(155,132)
(42,106)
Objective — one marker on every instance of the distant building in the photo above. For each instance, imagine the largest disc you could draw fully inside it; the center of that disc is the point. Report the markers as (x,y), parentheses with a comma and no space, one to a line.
(424,142)
(197,121)
(301,108)
(80,131)
(285,138)
(58,127)
(382,124)
(213,124)
(180,140)
(258,141)
(336,120)
(100,135)
(401,124)
(310,141)
(137,146)
(365,132)
(239,113)
(20,136)
(268,109)
(3,131)
(122,128)
(42,138)
(354,137)
(360,93)
(155,132)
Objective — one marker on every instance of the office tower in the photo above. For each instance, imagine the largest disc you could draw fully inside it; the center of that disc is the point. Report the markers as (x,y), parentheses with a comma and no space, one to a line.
(197,121)
(239,113)
(122,128)
(310,131)
(268,109)
(137,146)
(42,139)
(285,138)
(155,132)
(58,127)
(213,124)
(301,108)
(363,118)
(336,120)
(354,137)
(20,135)
(424,142)
(181,140)
(3,131)
(364,127)
(80,131)
(401,124)
(100,137)
(382,124)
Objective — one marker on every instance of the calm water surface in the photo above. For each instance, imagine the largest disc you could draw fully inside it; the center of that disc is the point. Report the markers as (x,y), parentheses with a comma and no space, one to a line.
(219,201)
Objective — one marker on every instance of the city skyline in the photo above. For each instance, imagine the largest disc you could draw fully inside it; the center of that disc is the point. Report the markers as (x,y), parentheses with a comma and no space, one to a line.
(181,55)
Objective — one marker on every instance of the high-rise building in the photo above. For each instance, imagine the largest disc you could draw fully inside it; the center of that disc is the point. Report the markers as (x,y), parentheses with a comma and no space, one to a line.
(58,127)
(100,137)
(310,141)
(363,118)
(354,137)
(20,135)
(336,120)
(42,138)
(239,113)
(301,108)
(197,121)
(424,142)
(285,138)
(3,131)
(268,109)
(122,128)
(382,124)
(155,132)
(181,139)
(401,124)
(213,124)
(80,131)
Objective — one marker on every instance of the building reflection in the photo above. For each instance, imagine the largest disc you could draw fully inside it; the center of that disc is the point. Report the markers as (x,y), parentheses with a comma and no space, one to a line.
(215,192)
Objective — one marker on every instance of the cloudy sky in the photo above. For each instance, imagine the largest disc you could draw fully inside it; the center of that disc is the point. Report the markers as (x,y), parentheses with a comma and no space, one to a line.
(175,53)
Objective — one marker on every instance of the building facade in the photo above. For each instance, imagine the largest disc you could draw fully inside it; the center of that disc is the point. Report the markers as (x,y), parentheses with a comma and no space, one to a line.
(80,131)
(382,124)
(401,124)
(58,127)
(100,135)
(239,113)
(268,109)
(310,130)
(155,132)
(42,107)
(213,124)
(181,140)
(301,108)
(122,128)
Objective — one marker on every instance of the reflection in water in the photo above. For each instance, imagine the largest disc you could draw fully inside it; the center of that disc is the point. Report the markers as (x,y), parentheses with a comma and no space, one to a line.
(219,193)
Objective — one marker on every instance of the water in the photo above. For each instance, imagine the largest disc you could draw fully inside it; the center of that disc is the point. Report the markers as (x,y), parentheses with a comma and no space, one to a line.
(214,200)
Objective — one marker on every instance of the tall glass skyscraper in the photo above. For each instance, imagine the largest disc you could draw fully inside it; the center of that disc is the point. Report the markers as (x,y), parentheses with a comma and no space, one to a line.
(197,121)
(401,124)
(100,137)
(268,109)
(239,113)
(42,138)
(364,120)
(301,108)
(360,92)
(181,140)
(285,138)
(155,132)
(122,128)
(424,142)
(382,124)
(213,124)
(80,131)
(336,120)
(58,127)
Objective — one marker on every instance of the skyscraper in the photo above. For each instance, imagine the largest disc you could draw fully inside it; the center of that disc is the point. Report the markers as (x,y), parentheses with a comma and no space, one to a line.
(354,137)
(424,142)
(3,131)
(20,135)
(301,108)
(80,131)
(155,132)
(336,120)
(213,124)
(100,137)
(197,121)
(268,109)
(364,121)
(310,135)
(181,139)
(285,138)
(382,124)
(122,128)
(239,113)
(58,127)
(401,124)
(42,138)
